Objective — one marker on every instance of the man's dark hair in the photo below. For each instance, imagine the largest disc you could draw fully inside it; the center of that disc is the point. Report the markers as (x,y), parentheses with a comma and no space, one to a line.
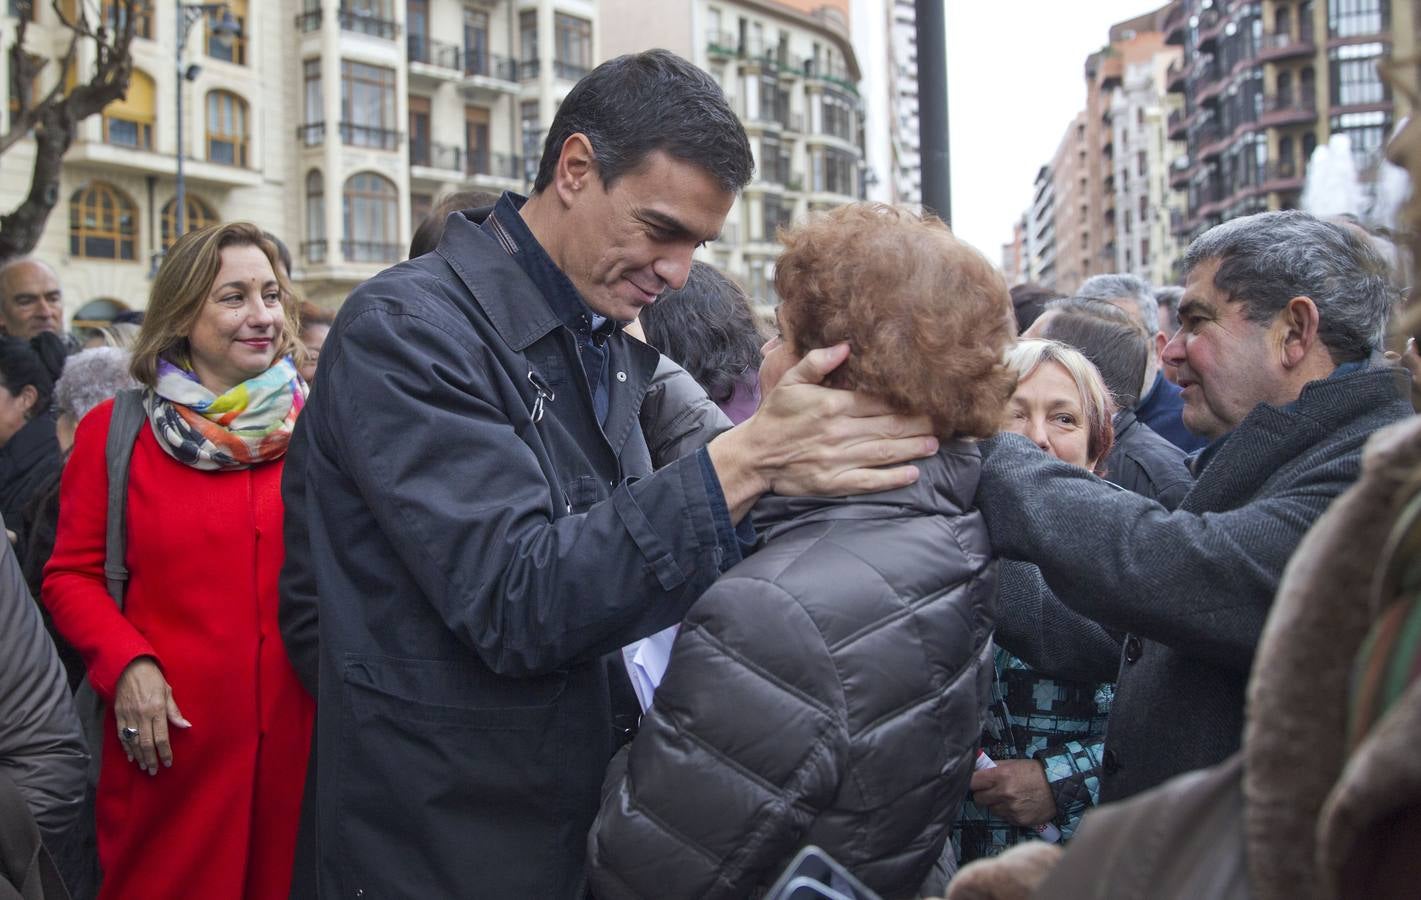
(1109,338)
(636,104)
(708,328)
(1029,301)
(282,252)
(427,235)
(1267,259)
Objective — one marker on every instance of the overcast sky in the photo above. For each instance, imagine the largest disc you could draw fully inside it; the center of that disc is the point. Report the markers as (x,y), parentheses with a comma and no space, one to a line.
(1015,79)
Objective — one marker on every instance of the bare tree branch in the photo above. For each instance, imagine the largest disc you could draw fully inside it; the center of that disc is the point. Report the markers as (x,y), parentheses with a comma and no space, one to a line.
(54,120)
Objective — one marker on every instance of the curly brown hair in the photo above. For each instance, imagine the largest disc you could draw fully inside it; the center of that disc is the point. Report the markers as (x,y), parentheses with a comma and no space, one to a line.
(928,317)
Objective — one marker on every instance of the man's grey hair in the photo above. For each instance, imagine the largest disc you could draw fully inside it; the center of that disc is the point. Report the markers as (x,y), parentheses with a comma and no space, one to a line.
(91,377)
(1168,298)
(15,262)
(1266,260)
(1111,288)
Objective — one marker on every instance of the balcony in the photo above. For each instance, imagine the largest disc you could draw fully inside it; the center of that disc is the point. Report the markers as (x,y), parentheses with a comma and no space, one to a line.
(1176,23)
(371,136)
(430,155)
(1174,78)
(568,71)
(314,252)
(308,21)
(492,66)
(1208,91)
(528,69)
(1178,125)
(1282,175)
(312,135)
(1179,172)
(722,44)
(1288,109)
(1178,223)
(500,166)
(1211,25)
(1275,47)
(371,251)
(435,54)
(361,23)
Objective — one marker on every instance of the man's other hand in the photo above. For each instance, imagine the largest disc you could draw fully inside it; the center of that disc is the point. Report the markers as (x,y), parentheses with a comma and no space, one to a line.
(806,439)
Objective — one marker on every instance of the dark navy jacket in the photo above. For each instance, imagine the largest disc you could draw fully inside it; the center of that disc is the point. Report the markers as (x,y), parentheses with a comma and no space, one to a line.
(475,552)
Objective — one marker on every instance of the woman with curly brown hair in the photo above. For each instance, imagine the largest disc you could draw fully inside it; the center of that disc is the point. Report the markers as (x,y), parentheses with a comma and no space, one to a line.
(829,689)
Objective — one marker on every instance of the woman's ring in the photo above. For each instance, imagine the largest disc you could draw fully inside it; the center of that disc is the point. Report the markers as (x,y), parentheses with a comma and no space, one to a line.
(128,735)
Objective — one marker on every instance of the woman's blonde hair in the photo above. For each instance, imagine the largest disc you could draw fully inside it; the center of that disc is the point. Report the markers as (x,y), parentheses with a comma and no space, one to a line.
(184,280)
(1026,356)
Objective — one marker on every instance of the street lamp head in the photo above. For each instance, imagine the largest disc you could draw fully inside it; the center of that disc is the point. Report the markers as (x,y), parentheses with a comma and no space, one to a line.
(226,29)
(192,71)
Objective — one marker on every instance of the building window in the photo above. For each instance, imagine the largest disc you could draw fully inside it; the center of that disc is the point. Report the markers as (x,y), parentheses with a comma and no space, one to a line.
(1367,132)
(476,49)
(573,46)
(314,247)
(476,140)
(834,171)
(115,16)
(528,44)
(420,148)
(532,138)
(373,17)
(838,115)
(230,48)
(197,214)
(227,133)
(128,121)
(1349,18)
(367,106)
(103,223)
(313,129)
(775,215)
(370,205)
(1355,80)
(417,30)
(421,205)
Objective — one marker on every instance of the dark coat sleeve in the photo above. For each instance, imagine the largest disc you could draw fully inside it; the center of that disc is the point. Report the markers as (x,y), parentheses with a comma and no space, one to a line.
(1046,634)
(297,610)
(740,748)
(41,743)
(1201,583)
(676,416)
(419,418)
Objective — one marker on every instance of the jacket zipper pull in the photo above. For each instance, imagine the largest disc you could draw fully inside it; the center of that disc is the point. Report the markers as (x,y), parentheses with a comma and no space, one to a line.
(544,394)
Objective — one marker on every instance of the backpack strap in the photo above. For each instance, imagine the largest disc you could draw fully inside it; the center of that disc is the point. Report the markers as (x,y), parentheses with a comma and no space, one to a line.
(128,418)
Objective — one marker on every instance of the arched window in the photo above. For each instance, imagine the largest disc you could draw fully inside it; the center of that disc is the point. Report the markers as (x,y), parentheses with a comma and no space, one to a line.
(115,17)
(370,204)
(103,223)
(98,312)
(128,121)
(196,214)
(314,248)
(227,132)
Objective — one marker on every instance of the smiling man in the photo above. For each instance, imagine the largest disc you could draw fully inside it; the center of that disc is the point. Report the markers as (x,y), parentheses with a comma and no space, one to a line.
(471,503)
(1275,356)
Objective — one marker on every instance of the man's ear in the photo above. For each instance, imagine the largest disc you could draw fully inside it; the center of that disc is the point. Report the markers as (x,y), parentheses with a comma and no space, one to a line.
(1297,324)
(28,397)
(577,168)
(1161,341)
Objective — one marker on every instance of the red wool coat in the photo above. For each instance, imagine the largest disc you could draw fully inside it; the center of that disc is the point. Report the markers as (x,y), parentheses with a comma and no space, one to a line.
(204,552)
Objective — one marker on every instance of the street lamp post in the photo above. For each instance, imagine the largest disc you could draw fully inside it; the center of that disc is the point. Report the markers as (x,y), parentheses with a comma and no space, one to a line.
(226,29)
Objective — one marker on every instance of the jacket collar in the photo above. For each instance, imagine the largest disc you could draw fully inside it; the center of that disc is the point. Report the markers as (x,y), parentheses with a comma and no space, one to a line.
(518,310)
(946,486)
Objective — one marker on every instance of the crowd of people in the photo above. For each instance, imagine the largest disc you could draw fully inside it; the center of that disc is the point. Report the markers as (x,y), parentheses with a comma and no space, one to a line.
(571,577)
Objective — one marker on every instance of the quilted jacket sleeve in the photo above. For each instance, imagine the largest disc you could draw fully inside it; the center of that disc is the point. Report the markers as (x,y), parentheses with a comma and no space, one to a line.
(676,416)
(744,743)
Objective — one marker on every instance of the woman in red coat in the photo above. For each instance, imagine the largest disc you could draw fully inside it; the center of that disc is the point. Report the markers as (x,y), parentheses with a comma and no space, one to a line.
(208,729)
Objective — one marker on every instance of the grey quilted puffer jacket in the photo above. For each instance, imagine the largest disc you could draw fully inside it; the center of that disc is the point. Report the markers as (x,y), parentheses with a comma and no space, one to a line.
(828,690)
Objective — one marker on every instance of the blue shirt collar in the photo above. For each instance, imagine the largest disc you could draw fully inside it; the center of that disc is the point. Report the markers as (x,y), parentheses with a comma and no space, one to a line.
(505,225)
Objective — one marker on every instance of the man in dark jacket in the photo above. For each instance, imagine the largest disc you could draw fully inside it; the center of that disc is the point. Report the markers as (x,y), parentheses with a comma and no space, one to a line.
(1278,318)
(477,512)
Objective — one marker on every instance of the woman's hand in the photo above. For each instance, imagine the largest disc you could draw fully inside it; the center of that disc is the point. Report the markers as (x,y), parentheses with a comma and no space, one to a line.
(143,702)
(1016,790)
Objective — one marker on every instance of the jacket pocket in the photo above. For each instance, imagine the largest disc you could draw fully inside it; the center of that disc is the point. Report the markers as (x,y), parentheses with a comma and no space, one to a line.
(447,773)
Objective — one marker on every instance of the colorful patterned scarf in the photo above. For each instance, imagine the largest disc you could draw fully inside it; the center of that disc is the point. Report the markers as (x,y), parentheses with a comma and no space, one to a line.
(249,424)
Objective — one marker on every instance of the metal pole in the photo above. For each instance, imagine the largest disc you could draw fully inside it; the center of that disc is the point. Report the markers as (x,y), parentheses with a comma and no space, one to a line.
(179,201)
(932,108)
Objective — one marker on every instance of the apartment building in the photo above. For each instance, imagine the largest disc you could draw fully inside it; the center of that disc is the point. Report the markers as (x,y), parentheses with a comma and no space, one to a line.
(1264,82)
(791,73)
(1040,253)
(334,124)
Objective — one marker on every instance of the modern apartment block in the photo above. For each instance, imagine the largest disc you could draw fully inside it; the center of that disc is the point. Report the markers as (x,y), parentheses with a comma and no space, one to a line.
(334,124)
(1040,219)
(1266,81)
(791,73)
(907,173)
